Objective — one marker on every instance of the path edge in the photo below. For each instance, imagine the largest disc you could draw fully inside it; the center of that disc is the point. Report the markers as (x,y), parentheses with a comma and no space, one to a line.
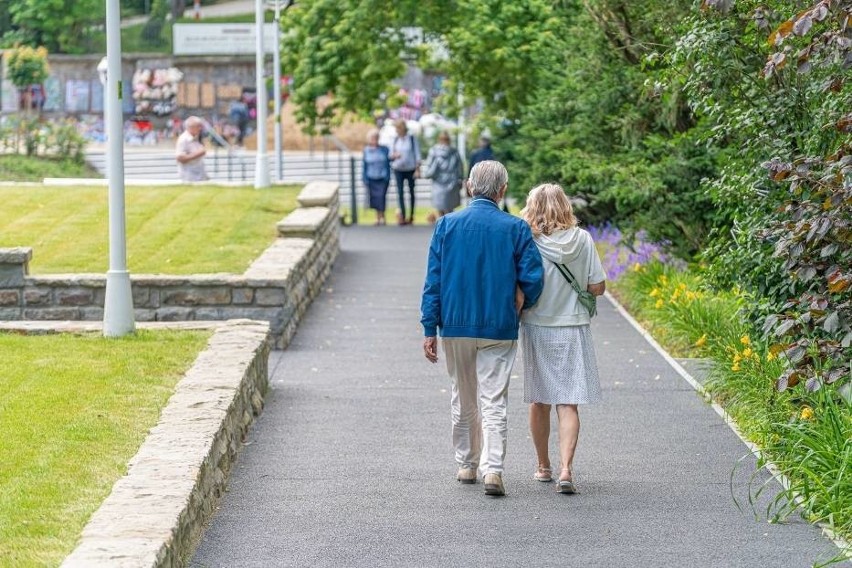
(155,514)
(841,543)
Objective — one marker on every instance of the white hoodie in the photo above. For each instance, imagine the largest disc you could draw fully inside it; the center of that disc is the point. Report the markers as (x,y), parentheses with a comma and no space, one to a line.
(559,304)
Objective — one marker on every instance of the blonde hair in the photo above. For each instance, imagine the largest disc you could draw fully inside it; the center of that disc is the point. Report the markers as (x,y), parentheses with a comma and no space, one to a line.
(374,132)
(548,210)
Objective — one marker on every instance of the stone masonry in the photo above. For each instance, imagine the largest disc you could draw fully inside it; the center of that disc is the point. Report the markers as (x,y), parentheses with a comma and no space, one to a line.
(155,513)
(278,286)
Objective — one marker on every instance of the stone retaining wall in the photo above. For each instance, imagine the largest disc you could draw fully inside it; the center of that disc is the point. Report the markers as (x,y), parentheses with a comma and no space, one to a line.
(156,513)
(278,287)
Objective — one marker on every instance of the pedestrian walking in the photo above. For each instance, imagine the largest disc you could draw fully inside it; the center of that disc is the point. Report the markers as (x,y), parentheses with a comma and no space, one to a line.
(484,152)
(190,151)
(238,111)
(560,367)
(405,156)
(476,305)
(444,167)
(376,174)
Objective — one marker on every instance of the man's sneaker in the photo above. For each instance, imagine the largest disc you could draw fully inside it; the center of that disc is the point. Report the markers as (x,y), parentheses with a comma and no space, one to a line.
(494,484)
(466,475)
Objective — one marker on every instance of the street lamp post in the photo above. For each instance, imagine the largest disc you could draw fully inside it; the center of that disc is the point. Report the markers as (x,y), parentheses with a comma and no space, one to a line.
(261,166)
(276,64)
(118,305)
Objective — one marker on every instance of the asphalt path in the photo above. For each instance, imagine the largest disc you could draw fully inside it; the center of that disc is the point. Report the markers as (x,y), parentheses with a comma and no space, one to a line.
(351,463)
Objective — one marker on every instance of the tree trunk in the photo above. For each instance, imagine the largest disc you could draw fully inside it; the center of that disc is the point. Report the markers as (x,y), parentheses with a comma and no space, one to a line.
(178,8)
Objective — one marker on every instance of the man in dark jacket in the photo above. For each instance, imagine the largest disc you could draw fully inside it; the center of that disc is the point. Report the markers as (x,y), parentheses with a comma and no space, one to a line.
(483,268)
(484,152)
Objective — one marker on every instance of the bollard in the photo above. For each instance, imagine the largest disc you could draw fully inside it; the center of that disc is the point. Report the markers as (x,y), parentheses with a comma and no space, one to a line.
(352,185)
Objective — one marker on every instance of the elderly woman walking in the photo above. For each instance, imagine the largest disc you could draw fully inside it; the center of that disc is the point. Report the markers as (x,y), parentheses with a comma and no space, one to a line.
(444,168)
(405,156)
(376,174)
(559,357)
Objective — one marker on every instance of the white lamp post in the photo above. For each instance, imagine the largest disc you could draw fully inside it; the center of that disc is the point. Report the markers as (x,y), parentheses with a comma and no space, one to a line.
(118,306)
(261,166)
(278,6)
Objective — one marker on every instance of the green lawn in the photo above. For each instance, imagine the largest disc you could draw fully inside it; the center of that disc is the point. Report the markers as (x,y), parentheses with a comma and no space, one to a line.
(30,168)
(73,410)
(171,230)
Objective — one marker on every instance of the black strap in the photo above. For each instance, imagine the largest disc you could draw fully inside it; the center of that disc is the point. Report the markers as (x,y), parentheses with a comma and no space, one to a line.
(566,273)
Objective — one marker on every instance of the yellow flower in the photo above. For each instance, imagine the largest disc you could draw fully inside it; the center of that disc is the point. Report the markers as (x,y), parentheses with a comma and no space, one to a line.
(654,293)
(737,358)
(690,295)
(663,279)
(735,367)
(637,267)
(682,286)
(747,352)
(701,341)
(659,304)
(770,356)
(807,413)
(745,340)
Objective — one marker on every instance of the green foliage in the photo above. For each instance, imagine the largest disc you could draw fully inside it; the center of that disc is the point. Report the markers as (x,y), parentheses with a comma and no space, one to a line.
(152,32)
(27,66)
(54,139)
(62,26)
(35,169)
(808,436)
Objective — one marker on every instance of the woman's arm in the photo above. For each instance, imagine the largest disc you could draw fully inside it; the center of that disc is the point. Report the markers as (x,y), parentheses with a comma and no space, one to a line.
(597,289)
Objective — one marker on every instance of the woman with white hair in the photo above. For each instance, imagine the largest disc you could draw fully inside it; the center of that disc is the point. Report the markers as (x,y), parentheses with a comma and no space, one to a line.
(560,367)
(375,172)
(444,168)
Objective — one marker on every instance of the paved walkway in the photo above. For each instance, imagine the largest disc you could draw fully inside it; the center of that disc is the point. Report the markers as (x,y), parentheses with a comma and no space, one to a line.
(351,463)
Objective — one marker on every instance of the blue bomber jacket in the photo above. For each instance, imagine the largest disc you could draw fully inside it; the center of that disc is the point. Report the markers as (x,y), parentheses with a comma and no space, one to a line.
(476,258)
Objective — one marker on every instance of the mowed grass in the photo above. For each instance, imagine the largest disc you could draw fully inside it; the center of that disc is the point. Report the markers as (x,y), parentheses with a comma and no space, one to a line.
(73,410)
(170,230)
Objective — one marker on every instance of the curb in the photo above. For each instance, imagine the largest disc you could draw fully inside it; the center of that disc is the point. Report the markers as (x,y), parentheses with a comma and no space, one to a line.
(155,513)
(844,546)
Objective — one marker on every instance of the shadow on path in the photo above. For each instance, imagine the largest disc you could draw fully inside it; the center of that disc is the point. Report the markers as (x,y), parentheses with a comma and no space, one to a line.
(351,463)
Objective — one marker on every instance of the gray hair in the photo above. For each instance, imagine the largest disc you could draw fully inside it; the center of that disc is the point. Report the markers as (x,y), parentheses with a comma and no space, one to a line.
(487,178)
(193,121)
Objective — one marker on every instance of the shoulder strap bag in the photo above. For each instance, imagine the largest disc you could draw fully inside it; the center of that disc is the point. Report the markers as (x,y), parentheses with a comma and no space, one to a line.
(587,299)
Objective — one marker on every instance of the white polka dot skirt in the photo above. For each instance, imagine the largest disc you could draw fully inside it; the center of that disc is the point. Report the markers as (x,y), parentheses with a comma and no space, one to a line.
(559,365)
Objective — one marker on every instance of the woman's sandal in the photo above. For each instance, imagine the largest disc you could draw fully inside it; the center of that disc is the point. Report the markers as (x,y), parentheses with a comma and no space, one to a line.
(566,486)
(544,474)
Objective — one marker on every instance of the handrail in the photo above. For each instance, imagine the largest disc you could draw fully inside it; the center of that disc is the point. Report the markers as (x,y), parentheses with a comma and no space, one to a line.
(216,136)
(338,143)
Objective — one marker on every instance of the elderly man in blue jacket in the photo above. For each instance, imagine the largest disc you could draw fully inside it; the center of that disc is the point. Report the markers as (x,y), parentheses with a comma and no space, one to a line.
(483,268)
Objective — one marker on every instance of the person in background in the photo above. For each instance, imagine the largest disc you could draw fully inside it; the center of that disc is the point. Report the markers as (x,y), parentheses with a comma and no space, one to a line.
(190,151)
(483,268)
(238,112)
(376,174)
(444,167)
(405,156)
(560,367)
(484,152)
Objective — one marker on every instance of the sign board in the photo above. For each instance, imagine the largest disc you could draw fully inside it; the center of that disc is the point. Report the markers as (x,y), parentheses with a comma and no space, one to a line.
(220,39)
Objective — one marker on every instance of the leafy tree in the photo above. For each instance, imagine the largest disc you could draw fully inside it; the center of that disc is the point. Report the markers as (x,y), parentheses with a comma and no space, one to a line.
(27,66)
(62,26)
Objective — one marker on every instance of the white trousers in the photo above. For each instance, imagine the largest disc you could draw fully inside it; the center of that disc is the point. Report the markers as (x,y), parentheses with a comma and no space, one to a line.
(480,370)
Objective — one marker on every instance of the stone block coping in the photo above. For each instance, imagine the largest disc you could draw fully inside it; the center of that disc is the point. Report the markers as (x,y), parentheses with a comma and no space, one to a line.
(305,222)
(156,513)
(16,255)
(318,194)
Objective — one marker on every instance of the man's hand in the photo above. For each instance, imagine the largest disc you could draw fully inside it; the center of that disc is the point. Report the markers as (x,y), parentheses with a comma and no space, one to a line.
(430,349)
(519,299)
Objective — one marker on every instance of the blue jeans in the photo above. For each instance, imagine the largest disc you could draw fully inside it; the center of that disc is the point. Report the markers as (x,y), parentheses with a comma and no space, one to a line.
(400,189)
